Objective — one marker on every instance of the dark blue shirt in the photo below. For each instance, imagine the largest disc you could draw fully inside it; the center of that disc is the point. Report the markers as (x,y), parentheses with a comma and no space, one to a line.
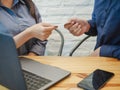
(105,24)
(16,20)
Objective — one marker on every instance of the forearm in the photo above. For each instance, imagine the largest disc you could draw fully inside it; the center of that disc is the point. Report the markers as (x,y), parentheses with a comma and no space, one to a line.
(93,28)
(22,37)
(32,54)
(110,51)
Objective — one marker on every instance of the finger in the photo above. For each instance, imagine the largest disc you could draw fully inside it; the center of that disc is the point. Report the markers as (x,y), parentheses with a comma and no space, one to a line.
(68,25)
(48,25)
(70,22)
(75,26)
(51,28)
(83,30)
(77,32)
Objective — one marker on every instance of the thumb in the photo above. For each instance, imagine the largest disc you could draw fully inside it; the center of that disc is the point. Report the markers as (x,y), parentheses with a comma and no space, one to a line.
(50,28)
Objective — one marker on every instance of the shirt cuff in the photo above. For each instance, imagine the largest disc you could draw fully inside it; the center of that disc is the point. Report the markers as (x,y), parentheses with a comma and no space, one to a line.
(92,31)
(38,50)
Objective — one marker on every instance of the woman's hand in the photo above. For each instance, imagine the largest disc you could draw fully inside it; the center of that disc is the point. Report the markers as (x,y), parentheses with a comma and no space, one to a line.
(77,26)
(41,30)
(32,54)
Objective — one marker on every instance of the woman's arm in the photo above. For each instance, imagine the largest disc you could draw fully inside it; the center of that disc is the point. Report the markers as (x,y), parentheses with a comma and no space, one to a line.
(40,31)
(22,37)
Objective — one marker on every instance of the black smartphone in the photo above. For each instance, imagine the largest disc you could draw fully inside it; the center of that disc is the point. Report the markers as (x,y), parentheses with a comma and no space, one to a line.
(95,80)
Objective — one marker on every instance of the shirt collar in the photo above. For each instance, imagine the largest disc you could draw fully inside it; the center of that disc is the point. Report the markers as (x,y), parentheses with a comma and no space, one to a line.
(22,1)
(15,2)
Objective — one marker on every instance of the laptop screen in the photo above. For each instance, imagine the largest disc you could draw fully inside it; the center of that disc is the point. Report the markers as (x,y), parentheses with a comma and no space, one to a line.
(10,69)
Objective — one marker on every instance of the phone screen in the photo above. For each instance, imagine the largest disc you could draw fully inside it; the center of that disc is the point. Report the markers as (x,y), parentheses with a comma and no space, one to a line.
(95,80)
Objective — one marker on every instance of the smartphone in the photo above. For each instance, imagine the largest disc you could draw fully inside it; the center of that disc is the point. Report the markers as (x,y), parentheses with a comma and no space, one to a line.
(95,80)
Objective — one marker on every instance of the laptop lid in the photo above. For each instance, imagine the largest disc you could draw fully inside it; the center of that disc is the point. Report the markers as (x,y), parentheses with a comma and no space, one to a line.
(11,75)
(10,69)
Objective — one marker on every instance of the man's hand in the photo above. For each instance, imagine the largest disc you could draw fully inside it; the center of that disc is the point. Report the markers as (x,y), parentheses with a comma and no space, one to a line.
(77,26)
(96,52)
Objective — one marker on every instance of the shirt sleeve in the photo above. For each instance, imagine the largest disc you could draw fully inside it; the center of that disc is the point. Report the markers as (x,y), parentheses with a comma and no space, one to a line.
(93,30)
(110,51)
(92,22)
(38,46)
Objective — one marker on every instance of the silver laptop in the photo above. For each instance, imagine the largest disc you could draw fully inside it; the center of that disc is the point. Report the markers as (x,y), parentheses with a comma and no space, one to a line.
(23,73)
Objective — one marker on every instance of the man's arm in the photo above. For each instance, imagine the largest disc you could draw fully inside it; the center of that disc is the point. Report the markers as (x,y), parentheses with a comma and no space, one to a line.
(107,51)
(93,29)
(92,22)
(110,51)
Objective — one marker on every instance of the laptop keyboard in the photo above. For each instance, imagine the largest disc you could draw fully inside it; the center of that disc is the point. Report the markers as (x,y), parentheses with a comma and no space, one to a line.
(33,81)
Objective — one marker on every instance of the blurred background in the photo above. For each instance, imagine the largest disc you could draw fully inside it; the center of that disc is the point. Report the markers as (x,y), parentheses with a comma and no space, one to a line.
(58,12)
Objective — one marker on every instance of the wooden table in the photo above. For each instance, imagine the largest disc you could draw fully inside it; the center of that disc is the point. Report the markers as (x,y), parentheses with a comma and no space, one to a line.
(80,67)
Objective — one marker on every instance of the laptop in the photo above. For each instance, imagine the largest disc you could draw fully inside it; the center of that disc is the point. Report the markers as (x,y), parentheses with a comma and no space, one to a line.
(23,73)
